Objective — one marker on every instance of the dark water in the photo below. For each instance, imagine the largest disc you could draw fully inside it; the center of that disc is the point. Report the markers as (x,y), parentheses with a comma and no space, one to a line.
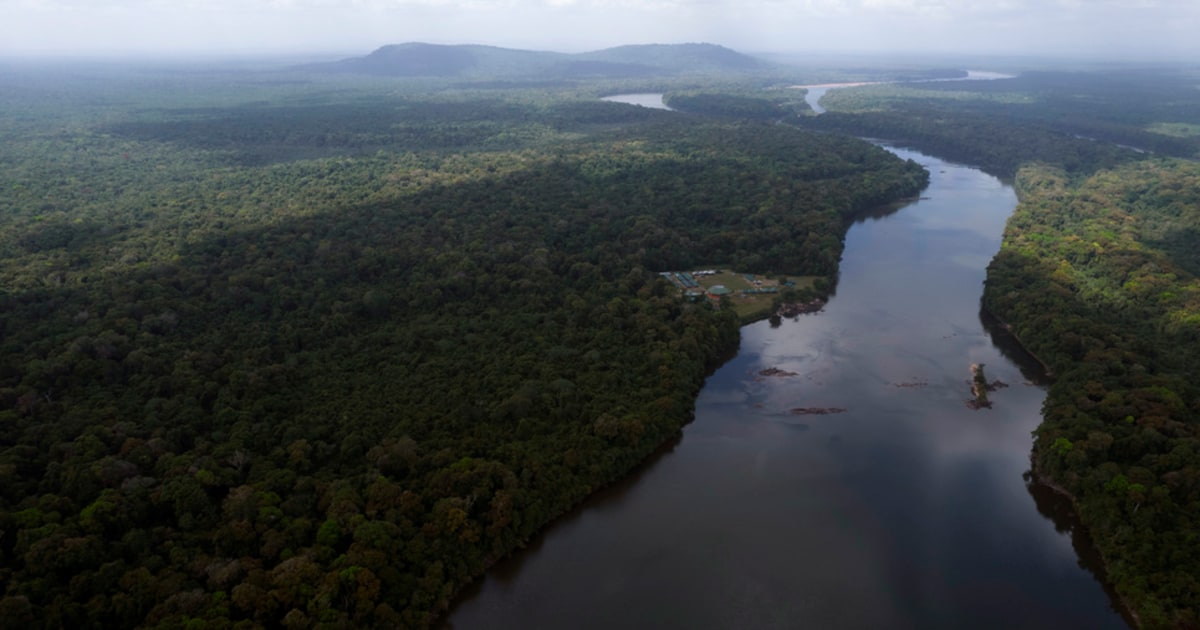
(908,510)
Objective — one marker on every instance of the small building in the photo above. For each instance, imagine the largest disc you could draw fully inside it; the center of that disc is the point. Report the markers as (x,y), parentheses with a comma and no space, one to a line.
(716,291)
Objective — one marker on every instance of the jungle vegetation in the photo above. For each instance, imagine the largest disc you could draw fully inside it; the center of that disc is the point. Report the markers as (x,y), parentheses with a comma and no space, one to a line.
(1098,278)
(279,350)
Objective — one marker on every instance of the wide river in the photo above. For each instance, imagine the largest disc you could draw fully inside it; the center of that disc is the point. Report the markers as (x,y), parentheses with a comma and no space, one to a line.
(908,510)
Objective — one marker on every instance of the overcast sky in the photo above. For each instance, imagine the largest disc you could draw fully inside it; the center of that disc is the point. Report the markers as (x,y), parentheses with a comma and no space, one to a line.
(1110,29)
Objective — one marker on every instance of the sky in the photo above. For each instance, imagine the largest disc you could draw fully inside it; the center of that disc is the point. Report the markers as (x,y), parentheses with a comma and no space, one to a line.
(1105,29)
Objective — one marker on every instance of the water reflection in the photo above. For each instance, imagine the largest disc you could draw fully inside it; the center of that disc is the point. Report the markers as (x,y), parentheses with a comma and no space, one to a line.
(1002,338)
(879,212)
(907,509)
(1058,509)
(604,499)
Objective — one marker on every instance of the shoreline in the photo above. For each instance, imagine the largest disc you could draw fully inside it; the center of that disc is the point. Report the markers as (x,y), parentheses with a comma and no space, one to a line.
(1041,478)
(1047,373)
(464,591)
(1037,476)
(440,618)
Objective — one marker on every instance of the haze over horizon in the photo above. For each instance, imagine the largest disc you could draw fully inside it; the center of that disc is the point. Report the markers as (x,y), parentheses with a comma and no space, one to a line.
(1101,29)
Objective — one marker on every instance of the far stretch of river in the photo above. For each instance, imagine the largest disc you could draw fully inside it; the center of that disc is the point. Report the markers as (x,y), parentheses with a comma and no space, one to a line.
(651,100)
(908,510)
(814,93)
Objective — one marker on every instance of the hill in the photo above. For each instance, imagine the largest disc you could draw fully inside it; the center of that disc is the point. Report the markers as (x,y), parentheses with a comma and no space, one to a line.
(680,58)
(416,59)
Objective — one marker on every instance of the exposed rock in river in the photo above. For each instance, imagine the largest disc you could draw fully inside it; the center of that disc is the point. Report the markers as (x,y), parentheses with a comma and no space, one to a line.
(980,388)
(816,411)
(774,371)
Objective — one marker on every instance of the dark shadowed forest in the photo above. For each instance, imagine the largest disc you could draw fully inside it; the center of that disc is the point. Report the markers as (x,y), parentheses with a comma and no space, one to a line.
(292,352)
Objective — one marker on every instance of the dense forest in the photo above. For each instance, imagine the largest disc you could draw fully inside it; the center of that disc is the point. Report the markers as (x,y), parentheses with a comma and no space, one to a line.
(741,106)
(1079,120)
(1099,280)
(279,352)
(281,349)
(1098,277)
(1150,109)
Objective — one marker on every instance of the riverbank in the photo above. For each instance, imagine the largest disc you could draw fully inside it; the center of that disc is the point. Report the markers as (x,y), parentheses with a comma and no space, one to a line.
(750,455)
(1040,477)
(470,587)
(1148,586)
(1047,373)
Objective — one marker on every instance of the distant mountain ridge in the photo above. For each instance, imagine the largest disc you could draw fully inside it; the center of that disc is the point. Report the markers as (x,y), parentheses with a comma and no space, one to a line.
(415,59)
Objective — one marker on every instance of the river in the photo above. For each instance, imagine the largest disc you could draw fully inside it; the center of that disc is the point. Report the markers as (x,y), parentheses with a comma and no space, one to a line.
(651,100)
(814,93)
(908,510)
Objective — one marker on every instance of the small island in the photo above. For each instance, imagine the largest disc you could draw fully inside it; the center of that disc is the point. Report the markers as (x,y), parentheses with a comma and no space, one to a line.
(980,388)
(774,371)
(817,411)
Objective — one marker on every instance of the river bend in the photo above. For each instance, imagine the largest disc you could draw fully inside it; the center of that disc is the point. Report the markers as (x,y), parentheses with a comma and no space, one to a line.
(908,510)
